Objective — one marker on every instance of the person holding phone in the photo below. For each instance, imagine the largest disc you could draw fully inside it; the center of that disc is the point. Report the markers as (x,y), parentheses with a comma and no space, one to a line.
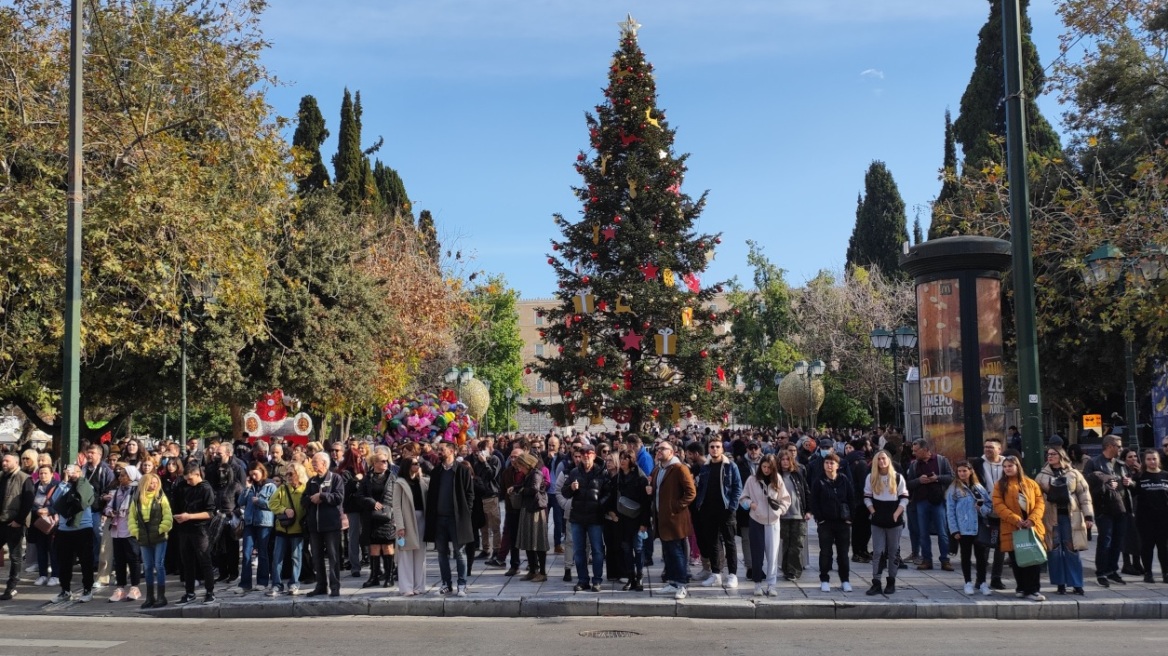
(966,502)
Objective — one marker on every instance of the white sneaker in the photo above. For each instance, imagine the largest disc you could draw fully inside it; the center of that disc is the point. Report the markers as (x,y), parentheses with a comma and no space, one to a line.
(985,589)
(825,587)
(758,590)
(731,580)
(86,596)
(98,585)
(41,580)
(772,591)
(1036,597)
(134,594)
(968,588)
(118,595)
(681,593)
(54,581)
(30,569)
(714,581)
(847,587)
(271,591)
(461,591)
(668,588)
(703,575)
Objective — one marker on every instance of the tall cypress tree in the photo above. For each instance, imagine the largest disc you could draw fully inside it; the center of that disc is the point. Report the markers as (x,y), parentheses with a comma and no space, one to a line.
(370,197)
(310,134)
(941,225)
(632,320)
(392,190)
(983,113)
(918,235)
(347,163)
(880,223)
(429,236)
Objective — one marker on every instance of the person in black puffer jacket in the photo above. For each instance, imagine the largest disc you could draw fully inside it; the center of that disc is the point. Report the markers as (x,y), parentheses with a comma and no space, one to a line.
(588,488)
(831,504)
(375,499)
(632,526)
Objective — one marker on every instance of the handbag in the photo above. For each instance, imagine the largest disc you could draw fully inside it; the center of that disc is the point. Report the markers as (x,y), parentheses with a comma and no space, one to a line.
(286,521)
(515,500)
(989,532)
(626,507)
(1028,550)
(1058,493)
(45,524)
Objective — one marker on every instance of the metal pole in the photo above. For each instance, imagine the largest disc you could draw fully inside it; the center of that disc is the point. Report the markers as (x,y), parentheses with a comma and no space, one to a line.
(183,389)
(1029,399)
(71,365)
(895,388)
(1133,439)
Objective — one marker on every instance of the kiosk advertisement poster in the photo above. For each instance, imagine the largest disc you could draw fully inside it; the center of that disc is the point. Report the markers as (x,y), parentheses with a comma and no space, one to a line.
(939,328)
(992,373)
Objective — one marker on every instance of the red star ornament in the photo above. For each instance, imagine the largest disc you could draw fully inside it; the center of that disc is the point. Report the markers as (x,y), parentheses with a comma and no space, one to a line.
(649,271)
(632,341)
(609,233)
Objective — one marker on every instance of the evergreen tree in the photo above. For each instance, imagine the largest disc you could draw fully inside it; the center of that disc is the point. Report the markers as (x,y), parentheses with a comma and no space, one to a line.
(918,235)
(941,225)
(880,223)
(391,189)
(310,134)
(983,113)
(629,270)
(355,184)
(429,236)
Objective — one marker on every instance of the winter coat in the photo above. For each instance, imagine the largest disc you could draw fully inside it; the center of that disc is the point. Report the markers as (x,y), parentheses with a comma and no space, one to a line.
(323,517)
(463,503)
(151,525)
(962,510)
(534,491)
(590,499)
(671,500)
(631,485)
(761,495)
(831,499)
(885,503)
(377,525)
(1081,508)
(284,498)
(1007,507)
(731,484)
(403,512)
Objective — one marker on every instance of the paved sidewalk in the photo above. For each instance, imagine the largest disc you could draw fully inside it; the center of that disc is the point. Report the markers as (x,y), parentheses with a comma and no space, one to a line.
(920,595)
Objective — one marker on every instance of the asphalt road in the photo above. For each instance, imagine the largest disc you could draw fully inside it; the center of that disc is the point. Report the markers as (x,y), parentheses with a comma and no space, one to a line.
(83,636)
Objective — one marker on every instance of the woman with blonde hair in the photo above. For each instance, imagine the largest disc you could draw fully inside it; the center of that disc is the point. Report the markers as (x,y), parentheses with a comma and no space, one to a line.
(966,501)
(150,522)
(285,505)
(1068,517)
(886,498)
(1018,501)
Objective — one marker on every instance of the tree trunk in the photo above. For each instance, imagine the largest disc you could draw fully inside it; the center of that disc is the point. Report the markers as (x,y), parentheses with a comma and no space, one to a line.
(236,421)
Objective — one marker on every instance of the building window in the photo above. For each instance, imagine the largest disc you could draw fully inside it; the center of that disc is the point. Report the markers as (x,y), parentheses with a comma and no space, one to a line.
(539,385)
(538,318)
(539,349)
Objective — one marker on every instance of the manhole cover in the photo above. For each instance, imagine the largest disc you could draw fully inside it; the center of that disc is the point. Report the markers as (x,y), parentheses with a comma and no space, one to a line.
(609,634)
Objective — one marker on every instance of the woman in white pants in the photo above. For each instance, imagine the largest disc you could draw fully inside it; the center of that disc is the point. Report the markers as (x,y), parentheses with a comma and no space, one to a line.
(765,498)
(409,512)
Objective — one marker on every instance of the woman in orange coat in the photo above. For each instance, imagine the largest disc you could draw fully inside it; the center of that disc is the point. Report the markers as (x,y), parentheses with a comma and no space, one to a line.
(1018,501)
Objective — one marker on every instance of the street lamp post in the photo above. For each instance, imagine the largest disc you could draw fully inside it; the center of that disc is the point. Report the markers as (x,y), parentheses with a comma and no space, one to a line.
(1108,266)
(510,394)
(903,338)
(204,292)
(458,376)
(809,371)
(779,381)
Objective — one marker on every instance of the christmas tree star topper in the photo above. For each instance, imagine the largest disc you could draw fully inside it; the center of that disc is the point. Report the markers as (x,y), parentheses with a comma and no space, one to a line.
(629,27)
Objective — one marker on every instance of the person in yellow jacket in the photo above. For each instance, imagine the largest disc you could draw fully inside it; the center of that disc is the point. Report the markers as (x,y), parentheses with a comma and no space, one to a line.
(150,521)
(1018,501)
(285,506)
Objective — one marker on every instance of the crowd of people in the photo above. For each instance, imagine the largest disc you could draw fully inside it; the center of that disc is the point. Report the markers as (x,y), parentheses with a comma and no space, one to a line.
(269,518)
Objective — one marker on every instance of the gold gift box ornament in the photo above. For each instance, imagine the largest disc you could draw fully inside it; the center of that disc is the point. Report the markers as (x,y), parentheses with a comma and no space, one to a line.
(666,342)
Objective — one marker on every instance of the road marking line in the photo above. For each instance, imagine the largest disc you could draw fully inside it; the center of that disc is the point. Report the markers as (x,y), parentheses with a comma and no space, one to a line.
(70,644)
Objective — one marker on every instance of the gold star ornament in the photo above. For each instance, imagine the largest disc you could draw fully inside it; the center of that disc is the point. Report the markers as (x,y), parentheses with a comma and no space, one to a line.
(629,27)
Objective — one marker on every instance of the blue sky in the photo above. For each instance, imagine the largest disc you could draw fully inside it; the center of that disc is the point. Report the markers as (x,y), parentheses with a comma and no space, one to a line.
(782,104)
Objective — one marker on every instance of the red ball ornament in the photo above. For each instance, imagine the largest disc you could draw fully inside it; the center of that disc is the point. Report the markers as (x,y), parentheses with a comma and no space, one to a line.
(616,219)
(661,244)
(615,387)
(594,199)
(644,125)
(717,240)
(689,414)
(656,412)
(704,353)
(542,334)
(645,326)
(701,244)
(595,255)
(527,370)
(713,317)
(551,260)
(628,102)
(555,247)
(577,318)
(585,280)
(560,349)
(580,157)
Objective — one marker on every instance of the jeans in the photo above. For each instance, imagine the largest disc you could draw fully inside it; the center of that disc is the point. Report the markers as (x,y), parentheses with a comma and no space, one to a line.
(256,537)
(320,543)
(1065,566)
(557,524)
(673,555)
(914,531)
(1109,543)
(594,535)
(886,543)
(288,545)
(930,519)
(97,536)
(46,552)
(632,549)
(154,563)
(446,534)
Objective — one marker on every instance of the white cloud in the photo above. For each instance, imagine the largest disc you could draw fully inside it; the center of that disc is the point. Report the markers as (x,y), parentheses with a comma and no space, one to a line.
(872,73)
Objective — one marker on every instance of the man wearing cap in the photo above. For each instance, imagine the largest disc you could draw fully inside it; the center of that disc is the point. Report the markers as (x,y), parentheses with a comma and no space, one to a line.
(588,488)
(672,489)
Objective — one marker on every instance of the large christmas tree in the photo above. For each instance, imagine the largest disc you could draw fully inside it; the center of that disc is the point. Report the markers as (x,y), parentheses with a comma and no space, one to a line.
(635,324)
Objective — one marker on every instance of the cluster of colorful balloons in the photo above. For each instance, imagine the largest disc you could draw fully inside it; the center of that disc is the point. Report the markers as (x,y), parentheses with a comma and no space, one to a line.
(427,417)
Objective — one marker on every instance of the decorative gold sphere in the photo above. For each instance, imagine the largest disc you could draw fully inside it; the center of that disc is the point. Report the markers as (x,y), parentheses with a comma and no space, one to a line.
(795,397)
(476,397)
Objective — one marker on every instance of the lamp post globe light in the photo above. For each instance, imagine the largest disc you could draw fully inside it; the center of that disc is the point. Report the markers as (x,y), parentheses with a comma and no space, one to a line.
(809,371)
(1108,266)
(903,338)
(458,376)
(509,394)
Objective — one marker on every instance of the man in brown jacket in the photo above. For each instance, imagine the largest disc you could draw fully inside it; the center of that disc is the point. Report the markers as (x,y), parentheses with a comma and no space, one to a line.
(672,489)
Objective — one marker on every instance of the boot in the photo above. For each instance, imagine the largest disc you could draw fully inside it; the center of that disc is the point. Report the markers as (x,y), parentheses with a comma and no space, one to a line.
(149,603)
(160,601)
(637,585)
(374,574)
(875,589)
(389,572)
(890,586)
